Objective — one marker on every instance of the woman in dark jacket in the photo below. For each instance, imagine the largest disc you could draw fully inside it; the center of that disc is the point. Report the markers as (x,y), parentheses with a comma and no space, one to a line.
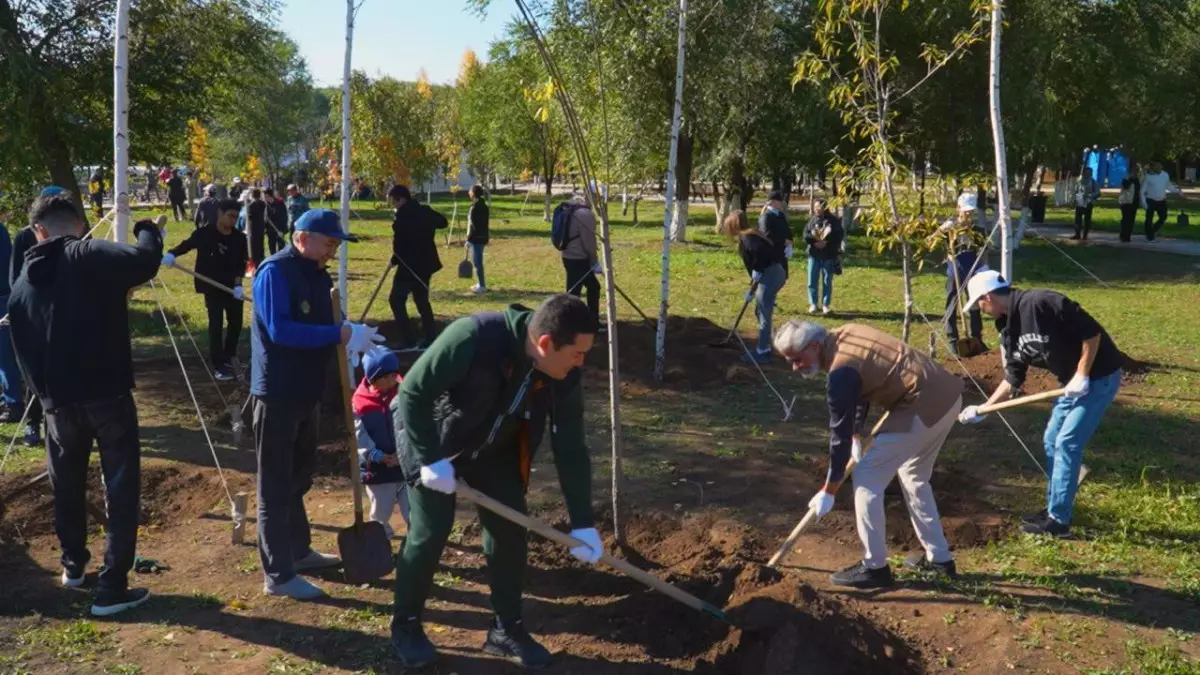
(764,263)
(477,233)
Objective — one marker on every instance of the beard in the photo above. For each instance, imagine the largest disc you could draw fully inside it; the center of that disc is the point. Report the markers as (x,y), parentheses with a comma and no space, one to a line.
(811,372)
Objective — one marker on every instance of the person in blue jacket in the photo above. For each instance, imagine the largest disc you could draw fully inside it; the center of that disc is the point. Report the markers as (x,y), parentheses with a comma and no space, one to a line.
(293,337)
(375,431)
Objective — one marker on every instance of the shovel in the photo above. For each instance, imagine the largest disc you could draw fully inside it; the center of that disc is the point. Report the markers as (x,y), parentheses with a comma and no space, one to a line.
(364,546)
(465,269)
(727,342)
(673,592)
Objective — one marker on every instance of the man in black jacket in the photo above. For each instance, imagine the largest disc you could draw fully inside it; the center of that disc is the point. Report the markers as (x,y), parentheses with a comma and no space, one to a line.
(414,252)
(221,256)
(177,196)
(1050,331)
(277,220)
(206,210)
(824,236)
(256,225)
(773,222)
(70,326)
(477,233)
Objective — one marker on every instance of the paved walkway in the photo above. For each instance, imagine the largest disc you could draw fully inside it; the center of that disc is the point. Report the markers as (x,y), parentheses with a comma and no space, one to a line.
(1160,244)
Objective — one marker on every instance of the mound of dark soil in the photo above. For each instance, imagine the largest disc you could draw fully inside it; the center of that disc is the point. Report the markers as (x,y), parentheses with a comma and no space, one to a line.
(780,625)
(988,370)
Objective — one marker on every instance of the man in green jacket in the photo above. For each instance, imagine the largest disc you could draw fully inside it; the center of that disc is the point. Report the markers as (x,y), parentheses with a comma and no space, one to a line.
(474,407)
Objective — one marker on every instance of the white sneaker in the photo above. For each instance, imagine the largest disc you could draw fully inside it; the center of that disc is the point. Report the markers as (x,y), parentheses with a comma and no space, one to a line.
(69,581)
(826,310)
(812,309)
(316,560)
(298,588)
(478,289)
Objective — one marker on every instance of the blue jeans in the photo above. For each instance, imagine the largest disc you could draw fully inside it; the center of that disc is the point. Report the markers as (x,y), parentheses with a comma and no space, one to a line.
(824,270)
(477,259)
(772,280)
(9,373)
(1072,423)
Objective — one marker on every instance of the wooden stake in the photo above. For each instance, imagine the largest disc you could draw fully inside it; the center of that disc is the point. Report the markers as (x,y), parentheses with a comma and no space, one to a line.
(239,518)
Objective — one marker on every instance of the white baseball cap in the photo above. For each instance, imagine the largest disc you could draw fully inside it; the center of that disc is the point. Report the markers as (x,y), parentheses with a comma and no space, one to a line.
(983,283)
(968,201)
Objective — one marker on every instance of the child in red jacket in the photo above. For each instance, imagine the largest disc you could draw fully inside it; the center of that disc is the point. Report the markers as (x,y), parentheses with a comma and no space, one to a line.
(381,473)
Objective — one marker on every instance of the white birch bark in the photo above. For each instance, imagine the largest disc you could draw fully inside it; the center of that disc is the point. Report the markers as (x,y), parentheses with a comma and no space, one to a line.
(1002,207)
(121,122)
(344,253)
(660,338)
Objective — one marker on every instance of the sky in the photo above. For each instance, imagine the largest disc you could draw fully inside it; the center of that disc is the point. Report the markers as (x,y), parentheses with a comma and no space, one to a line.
(392,37)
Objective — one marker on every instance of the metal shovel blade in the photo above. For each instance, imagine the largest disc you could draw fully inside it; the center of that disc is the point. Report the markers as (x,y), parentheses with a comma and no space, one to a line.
(366,552)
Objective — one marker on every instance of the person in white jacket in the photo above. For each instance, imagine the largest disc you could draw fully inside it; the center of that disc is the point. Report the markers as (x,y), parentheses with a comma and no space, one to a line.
(1155,186)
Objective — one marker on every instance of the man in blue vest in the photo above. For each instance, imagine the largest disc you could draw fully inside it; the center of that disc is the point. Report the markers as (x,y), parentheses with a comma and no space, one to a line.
(293,340)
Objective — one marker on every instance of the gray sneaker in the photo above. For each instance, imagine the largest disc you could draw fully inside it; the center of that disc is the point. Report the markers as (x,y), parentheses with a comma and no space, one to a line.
(316,560)
(298,588)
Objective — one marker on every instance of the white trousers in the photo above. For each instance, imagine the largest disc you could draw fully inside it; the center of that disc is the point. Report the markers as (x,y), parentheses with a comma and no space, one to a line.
(385,497)
(910,456)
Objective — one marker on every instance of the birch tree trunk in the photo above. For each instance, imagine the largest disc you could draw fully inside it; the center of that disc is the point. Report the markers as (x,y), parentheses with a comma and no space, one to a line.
(344,253)
(121,122)
(1002,209)
(660,338)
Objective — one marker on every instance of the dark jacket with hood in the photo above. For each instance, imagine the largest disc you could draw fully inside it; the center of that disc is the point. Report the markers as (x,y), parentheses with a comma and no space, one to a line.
(774,224)
(207,211)
(277,214)
(413,241)
(758,252)
(475,396)
(220,257)
(69,311)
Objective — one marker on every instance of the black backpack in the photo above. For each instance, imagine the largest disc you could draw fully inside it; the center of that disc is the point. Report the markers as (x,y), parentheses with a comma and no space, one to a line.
(560,225)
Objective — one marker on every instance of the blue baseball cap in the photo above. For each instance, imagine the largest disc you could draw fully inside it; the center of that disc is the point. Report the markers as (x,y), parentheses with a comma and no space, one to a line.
(323,221)
(380,362)
(51,190)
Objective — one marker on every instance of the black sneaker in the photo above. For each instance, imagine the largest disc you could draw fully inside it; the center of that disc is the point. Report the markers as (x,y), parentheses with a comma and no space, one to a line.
(224,374)
(32,435)
(1035,517)
(109,601)
(1048,526)
(921,563)
(410,646)
(859,575)
(511,641)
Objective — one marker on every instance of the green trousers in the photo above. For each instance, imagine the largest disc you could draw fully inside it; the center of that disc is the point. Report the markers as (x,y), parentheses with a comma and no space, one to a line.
(431,517)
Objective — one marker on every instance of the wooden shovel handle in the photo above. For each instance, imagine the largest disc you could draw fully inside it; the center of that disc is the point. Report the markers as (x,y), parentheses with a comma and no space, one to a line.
(811,516)
(1012,403)
(383,277)
(567,540)
(343,360)
(211,282)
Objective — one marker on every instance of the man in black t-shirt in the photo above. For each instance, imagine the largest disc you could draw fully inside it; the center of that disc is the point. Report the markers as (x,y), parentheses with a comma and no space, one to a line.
(1050,331)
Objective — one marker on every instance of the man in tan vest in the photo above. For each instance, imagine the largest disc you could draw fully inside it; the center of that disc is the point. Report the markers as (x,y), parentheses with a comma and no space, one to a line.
(921,401)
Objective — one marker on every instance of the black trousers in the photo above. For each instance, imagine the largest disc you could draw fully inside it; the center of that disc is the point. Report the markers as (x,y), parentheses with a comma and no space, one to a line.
(223,309)
(285,441)
(580,276)
(178,208)
(70,431)
(1083,218)
(256,231)
(1159,208)
(403,285)
(1128,215)
(951,316)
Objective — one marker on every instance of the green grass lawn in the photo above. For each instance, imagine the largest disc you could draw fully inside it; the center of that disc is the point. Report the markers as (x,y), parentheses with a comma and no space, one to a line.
(1139,511)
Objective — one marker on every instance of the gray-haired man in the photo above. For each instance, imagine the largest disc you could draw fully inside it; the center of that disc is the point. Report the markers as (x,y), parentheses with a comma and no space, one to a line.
(921,399)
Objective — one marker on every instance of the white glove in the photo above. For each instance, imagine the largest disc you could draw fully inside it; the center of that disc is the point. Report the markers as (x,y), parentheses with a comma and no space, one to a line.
(597,269)
(362,338)
(822,503)
(169,260)
(970,415)
(756,276)
(592,549)
(788,251)
(439,476)
(749,296)
(856,450)
(1078,386)
(239,293)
